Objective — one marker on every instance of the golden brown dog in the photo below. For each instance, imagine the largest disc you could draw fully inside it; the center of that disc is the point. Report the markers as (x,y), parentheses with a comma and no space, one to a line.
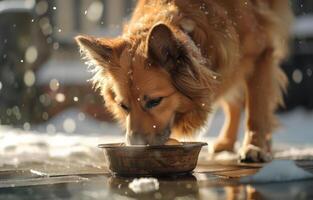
(177,58)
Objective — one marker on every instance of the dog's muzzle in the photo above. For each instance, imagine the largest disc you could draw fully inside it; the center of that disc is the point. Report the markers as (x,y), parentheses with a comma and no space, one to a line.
(135,138)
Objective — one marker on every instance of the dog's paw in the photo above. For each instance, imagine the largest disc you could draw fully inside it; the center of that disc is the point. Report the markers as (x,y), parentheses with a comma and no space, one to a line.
(254,154)
(222,145)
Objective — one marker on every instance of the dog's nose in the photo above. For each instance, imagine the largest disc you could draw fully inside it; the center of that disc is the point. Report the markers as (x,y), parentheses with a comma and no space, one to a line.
(135,138)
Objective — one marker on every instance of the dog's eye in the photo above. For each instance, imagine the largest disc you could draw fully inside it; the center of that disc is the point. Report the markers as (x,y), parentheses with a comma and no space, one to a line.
(126,108)
(153,102)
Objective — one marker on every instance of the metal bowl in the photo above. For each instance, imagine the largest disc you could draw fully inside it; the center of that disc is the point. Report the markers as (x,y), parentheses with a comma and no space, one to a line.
(151,160)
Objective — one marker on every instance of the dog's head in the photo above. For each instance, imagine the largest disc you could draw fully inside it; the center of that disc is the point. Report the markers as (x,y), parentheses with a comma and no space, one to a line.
(155,83)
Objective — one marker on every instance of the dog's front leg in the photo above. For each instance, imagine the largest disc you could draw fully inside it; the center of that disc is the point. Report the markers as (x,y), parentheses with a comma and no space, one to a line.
(264,93)
(228,135)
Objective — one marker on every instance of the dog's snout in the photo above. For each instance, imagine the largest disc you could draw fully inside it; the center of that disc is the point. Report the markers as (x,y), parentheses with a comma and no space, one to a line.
(138,138)
(135,138)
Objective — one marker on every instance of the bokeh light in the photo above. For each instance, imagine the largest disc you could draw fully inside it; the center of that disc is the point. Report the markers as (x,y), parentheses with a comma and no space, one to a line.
(69,125)
(29,78)
(94,11)
(31,54)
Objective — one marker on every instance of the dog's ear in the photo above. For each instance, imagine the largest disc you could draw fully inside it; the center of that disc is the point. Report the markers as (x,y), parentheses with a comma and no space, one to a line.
(162,46)
(175,52)
(101,51)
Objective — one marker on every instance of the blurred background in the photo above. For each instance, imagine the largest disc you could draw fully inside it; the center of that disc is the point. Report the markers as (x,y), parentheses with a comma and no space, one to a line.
(43,82)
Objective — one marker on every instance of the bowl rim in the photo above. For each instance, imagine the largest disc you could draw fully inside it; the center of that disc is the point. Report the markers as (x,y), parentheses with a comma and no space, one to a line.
(175,146)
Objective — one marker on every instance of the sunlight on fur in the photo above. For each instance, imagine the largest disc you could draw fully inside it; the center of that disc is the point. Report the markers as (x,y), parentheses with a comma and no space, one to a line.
(177,58)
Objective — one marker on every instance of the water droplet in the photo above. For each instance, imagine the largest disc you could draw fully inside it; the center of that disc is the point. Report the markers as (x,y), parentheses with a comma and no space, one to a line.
(50,128)
(60,97)
(45,99)
(56,45)
(31,54)
(54,84)
(9,112)
(69,125)
(45,26)
(95,11)
(45,116)
(81,116)
(41,7)
(297,76)
(26,126)
(16,111)
(29,78)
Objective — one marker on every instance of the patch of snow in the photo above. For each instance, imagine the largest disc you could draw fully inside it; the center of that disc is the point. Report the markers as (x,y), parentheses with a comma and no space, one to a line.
(296,153)
(278,171)
(18,146)
(41,142)
(295,130)
(143,185)
(38,173)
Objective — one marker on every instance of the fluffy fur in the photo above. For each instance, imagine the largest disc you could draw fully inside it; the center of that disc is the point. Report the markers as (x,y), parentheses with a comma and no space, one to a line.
(194,54)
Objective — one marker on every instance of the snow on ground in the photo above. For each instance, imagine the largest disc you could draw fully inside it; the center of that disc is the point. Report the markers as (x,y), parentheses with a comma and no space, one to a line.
(19,146)
(50,140)
(277,171)
(296,128)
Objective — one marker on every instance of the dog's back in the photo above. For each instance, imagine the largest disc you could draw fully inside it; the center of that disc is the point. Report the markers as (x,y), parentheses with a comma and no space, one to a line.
(225,31)
(197,52)
(253,18)
(243,41)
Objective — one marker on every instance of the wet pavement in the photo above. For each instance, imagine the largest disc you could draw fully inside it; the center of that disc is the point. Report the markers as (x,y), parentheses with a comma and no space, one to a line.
(210,180)
(72,167)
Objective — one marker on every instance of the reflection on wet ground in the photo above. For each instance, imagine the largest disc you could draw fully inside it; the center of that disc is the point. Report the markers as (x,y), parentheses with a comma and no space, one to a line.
(210,180)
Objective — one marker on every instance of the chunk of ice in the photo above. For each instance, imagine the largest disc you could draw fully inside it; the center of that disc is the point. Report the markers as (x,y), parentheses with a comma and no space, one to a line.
(143,185)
